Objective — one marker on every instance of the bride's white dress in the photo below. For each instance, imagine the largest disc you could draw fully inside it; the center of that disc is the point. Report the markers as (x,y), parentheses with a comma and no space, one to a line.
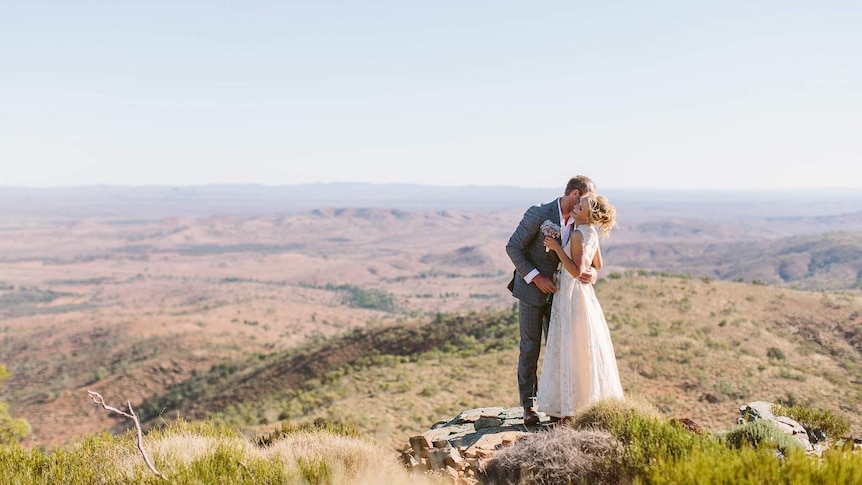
(579,365)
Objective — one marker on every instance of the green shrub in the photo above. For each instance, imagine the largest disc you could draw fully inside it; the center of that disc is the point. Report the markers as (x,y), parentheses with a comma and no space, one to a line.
(645,433)
(749,466)
(370,298)
(611,414)
(12,429)
(774,353)
(832,424)
(760,433)
(91,461)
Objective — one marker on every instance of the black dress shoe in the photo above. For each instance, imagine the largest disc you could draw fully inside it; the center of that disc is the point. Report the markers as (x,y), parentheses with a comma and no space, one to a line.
(531,417)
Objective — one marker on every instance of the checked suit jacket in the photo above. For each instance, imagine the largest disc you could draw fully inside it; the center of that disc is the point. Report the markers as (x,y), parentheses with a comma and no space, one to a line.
(527,251)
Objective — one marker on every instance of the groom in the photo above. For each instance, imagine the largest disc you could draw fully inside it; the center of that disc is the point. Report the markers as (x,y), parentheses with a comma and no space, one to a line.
(533,283)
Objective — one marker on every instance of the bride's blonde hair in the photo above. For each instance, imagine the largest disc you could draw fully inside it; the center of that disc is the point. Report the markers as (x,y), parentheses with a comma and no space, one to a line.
(601,212)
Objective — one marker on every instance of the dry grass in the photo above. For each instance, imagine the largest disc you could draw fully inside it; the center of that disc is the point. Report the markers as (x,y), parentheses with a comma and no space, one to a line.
(605,413)
(200,452)
(563,455)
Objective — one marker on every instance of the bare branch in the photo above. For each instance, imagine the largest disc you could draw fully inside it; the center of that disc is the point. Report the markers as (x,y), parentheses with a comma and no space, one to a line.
(98,399)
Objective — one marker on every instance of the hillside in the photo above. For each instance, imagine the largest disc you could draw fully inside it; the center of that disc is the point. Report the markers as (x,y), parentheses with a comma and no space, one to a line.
(697,348)
(828,260)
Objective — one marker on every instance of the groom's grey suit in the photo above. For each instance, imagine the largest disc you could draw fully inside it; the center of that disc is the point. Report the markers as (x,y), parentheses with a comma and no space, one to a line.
(526,249)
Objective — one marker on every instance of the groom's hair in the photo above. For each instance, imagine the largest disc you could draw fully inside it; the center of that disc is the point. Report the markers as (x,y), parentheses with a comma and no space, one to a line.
(583,183)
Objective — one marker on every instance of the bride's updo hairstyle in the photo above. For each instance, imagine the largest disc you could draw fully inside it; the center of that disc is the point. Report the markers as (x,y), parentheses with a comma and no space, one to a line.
(602,213)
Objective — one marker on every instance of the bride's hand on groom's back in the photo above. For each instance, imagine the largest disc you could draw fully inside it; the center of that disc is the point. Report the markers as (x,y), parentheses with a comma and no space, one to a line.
(589,276)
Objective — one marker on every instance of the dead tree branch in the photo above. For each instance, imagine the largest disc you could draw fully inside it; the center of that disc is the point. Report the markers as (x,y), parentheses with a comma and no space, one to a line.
(98,399)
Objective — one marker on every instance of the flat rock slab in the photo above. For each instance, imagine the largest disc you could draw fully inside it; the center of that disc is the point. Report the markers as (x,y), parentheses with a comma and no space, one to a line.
(471,426)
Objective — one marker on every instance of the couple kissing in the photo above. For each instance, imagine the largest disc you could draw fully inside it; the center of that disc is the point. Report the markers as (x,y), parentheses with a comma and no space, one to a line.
(553,282)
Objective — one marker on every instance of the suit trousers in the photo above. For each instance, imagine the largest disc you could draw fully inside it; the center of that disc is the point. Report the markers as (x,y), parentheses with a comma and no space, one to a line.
(533,323)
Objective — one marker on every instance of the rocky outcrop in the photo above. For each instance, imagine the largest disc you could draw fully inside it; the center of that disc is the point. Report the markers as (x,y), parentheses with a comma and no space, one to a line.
(460,447)
(464,446)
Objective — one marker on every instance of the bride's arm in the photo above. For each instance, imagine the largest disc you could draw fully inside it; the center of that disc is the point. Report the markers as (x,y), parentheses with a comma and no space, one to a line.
(591,274)
(574,264)
(597,259)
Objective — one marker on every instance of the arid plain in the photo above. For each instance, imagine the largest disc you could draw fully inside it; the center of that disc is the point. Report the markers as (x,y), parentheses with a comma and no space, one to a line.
(128,301)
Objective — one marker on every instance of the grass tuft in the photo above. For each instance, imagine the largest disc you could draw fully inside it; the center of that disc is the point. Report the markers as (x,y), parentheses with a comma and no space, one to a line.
(612,414)
(318,426)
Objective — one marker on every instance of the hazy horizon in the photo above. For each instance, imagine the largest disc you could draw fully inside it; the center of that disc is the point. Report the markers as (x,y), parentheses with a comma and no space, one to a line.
(796,191)
(789,191)
(249,200)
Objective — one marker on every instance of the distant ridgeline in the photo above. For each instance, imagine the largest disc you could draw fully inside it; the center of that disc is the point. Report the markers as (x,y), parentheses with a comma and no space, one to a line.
(162,201)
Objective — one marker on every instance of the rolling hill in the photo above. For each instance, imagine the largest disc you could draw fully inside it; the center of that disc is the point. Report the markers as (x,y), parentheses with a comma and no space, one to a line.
(695,347)
(820,261)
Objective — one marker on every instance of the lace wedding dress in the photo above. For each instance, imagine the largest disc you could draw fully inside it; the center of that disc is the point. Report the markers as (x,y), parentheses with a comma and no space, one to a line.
(579,365)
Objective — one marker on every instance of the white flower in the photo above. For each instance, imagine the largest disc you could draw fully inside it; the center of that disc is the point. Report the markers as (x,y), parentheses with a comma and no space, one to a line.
(549,229)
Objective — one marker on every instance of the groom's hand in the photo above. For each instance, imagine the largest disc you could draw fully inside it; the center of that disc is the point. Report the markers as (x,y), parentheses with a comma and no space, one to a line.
(545,284)
(589,276)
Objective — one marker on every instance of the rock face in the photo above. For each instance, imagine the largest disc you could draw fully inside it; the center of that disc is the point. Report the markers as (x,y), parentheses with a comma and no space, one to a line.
(459,447)
(756,410)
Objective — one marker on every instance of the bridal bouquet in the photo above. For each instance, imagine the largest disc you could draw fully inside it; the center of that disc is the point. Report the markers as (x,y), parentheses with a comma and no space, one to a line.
(550,229)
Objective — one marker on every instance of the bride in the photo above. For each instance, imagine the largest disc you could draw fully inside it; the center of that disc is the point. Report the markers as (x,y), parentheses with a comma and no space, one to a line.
(579,365)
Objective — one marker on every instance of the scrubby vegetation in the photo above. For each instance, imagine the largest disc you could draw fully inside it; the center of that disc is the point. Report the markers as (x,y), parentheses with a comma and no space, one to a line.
(369,298)
(695,347)
(208,452)
(610,442)
(300,373)
(630,442)
(760,433)
(11,429)
(832,425)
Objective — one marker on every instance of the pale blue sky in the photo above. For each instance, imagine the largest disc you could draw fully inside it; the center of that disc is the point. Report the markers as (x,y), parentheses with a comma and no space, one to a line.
(679,95)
